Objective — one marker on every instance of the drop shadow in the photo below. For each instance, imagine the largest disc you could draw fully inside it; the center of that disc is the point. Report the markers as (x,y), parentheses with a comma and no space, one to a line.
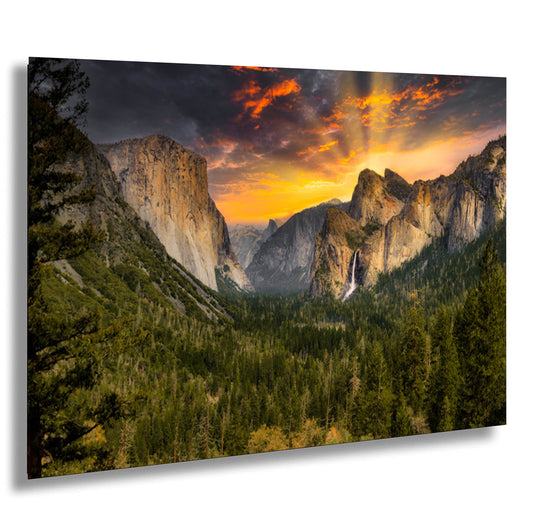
(200,468)
(18,277)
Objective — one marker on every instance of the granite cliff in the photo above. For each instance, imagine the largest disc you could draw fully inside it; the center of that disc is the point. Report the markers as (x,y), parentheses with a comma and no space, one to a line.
(334,251)
(129,262)
(166,185)
(375,200)
(398,220)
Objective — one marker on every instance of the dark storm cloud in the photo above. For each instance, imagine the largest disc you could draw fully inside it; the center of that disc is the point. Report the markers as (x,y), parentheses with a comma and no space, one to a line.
(187,102)
(247,120)
(184,102)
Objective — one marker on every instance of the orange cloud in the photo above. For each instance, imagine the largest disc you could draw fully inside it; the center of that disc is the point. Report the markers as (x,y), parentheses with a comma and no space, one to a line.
(280,190)
(327,146)
(255,99)
(249,90)
(384,109)
(350,158)
(321,148)
(223,152)
(241,69)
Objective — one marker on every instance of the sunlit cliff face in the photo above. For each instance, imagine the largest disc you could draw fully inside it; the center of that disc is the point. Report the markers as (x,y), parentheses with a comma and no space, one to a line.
(280,140)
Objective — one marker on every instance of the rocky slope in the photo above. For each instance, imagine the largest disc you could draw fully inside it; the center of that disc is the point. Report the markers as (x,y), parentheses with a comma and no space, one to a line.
(246,240)
(166,185)
(283,262)
(130,265)
(456,208)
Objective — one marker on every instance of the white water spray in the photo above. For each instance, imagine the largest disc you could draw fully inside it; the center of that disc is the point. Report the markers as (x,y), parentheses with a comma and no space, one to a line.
(353,285)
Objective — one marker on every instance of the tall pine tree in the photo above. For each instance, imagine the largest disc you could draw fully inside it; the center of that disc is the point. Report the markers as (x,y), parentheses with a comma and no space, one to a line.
(414,348)
(444,377)
(62,362)
(479,334)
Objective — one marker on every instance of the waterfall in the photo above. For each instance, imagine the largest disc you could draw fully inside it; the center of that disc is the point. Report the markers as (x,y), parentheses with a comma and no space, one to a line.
(353,285)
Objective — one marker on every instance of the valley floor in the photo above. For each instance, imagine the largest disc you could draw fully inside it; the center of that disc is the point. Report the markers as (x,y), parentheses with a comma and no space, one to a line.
(290,372)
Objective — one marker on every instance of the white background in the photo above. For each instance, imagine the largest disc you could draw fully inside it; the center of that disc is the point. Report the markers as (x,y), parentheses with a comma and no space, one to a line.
(483,471)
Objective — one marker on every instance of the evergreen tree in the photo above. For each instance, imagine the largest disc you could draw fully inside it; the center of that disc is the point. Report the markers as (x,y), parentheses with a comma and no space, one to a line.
(377,397)
(401,420)
(444,382)
(413,346)
(61,347)
(479,334)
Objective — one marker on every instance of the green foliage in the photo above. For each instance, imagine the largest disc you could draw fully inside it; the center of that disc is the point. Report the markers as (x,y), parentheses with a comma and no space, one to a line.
(62,347)
(354,239)
(370,227)
(285,373)
(444,381)
(413,359)
(401,424)
(267,439)
(311,434)
(479,334)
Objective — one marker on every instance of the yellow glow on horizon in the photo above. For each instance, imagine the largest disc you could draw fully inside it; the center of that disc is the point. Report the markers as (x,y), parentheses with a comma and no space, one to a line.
(279,193)
(365,129)
(435,159)
(273,197)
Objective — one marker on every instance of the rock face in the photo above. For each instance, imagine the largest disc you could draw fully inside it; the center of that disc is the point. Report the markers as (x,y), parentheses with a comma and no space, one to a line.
(128,248)
(456,207)
(335,246)
(400,220)
(283,262)
(377,199)
(166,185)
(271,228)
(246,240)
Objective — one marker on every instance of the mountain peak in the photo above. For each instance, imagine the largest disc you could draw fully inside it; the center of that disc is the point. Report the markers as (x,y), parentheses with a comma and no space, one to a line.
(377,199)
(166,185)
(154,142)
(456,208)
(330,202)
(390,175)
(272,226)
(367,175)
(397,185)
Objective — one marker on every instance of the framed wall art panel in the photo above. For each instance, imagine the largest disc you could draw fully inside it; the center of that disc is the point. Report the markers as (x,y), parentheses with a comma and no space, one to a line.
(228,260)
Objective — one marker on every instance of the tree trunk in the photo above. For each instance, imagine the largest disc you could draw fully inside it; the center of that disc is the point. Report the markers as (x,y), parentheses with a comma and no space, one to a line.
(34,468)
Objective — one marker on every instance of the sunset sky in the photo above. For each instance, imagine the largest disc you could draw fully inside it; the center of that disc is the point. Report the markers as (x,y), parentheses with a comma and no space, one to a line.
(280,140)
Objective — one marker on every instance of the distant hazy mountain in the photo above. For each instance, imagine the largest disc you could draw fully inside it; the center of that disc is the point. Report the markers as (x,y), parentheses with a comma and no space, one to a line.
(246,240)
(283,262)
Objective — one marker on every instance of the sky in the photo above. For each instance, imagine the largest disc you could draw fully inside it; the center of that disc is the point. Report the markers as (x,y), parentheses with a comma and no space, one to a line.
(279,140)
